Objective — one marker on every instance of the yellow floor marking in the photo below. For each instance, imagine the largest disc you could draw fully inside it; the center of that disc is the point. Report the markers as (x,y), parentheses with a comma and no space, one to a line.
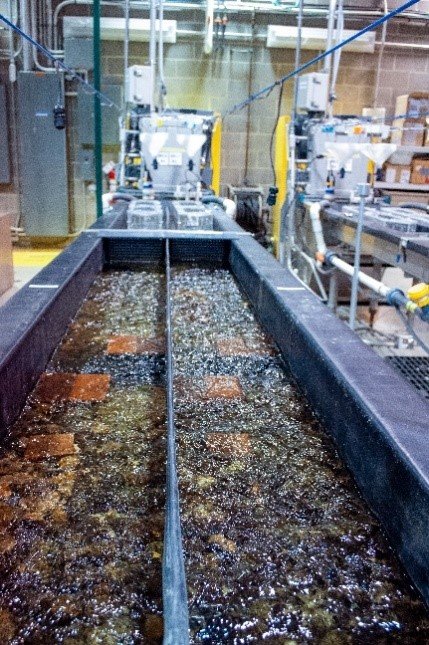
(34,257)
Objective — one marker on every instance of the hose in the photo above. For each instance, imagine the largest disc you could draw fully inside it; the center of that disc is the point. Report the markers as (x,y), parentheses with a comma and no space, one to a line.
(228,205)
(416,205)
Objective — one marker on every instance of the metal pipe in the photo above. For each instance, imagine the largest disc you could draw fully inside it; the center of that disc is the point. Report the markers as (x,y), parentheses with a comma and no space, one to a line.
(26,26)
(50,23)
(152,52)
(12,64)
(327,63)
(380,56)
(162,87)
(34,35)
(297,58)
(363,192)
(127,39)
(208,39)
(98,132)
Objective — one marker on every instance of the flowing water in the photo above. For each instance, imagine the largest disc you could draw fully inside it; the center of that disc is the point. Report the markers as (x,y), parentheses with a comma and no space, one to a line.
(279,546)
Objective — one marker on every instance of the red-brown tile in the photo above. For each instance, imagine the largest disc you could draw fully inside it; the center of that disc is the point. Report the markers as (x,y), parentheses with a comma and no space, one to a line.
(237,346)
(229,444)
(135,345)
(122,345)
(90,387)
(221,387)
(72,387)
(51,445)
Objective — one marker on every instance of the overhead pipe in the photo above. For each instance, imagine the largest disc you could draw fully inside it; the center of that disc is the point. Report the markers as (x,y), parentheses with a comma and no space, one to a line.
(34,35)
(241,8)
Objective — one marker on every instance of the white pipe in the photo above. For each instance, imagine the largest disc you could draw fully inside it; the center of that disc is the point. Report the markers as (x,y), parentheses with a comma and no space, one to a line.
(380,57)
(230,207)
(208,38)
(127,39)
(12,63)
(327,63)
(34,35)
(162,88)
(26,26)
(314,209)
(375,285)
(152,52)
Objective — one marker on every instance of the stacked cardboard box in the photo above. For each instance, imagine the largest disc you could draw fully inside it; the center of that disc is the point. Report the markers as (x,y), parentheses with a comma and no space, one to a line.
(420,170)
(411,113)
(397,173)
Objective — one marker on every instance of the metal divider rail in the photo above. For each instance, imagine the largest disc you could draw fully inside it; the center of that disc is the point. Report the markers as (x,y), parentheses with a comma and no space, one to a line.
(174,591)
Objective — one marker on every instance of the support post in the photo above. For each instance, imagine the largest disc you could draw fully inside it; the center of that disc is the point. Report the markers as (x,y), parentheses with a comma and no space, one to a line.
(98,126)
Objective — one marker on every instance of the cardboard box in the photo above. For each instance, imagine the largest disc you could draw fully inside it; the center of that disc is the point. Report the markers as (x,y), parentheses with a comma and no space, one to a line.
(412,106)
(420,170)
(397,173)
(408,132)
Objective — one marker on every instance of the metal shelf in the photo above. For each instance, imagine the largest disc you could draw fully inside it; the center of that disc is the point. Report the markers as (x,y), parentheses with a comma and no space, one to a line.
(417,188)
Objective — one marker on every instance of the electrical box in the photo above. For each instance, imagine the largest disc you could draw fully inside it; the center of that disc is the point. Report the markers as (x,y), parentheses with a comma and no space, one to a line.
(139,84)
(5,169)
(313,92)
(42,156)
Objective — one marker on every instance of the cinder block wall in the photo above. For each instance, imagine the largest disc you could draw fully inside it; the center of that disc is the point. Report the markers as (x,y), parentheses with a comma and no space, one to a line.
(218,81)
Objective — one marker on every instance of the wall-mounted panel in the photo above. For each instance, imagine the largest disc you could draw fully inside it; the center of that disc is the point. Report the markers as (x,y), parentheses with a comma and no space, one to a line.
(43,160)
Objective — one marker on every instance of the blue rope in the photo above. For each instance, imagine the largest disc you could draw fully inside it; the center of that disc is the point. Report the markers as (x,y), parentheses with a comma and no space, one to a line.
(58,63)
(266,90)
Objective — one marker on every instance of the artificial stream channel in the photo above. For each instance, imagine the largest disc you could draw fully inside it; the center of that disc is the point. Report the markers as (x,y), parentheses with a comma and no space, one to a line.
(279,547)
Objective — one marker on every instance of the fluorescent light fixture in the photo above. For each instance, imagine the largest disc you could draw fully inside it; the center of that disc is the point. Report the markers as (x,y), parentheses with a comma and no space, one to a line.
(114,28)
(315,38)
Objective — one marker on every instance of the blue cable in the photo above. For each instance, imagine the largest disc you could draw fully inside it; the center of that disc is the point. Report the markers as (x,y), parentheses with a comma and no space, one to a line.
(260,94)
(59,63)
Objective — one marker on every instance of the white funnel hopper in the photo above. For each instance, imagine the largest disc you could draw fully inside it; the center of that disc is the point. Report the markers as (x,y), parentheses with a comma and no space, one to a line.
(340,152)
(378,152)
(192,142)
(154,141)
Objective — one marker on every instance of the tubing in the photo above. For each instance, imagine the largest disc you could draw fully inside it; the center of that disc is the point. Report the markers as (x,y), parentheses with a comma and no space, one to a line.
(229,206)
(416,205)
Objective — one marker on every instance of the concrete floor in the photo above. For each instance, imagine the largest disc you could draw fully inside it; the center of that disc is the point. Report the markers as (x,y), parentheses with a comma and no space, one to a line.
(26,264)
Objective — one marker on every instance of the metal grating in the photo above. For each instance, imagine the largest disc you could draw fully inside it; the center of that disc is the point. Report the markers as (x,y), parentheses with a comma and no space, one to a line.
(415,369)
